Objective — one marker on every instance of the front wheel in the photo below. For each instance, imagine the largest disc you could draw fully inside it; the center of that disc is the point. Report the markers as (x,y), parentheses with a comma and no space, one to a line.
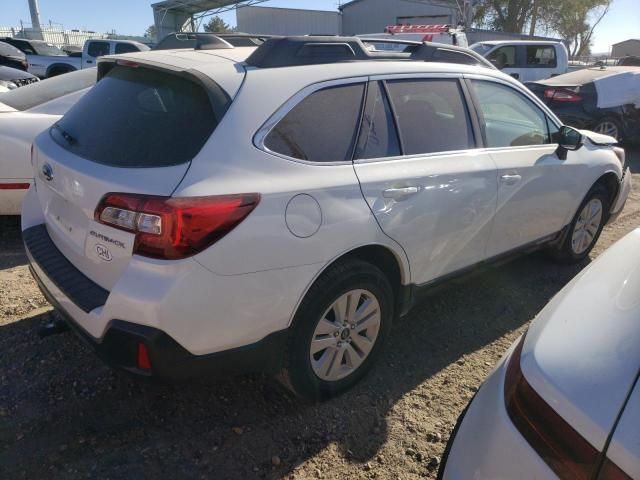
(585,228)
(339,330)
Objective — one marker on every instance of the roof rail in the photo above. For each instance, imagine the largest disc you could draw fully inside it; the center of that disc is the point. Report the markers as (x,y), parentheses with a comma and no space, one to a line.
(307,50)
(209,41)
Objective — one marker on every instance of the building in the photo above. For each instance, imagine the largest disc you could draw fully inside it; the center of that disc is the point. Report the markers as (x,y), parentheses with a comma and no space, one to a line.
(287,21)
(372,16)
(627,47)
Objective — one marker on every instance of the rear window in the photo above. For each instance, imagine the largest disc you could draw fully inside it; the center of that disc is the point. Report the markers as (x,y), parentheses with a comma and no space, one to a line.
(140,117)
(37,93)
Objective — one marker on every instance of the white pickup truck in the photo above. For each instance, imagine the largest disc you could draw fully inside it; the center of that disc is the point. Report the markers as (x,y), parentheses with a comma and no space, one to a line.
(46,60)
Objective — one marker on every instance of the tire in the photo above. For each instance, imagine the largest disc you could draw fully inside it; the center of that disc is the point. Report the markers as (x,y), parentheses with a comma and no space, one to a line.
(609,126)
(580,238)
(318,375)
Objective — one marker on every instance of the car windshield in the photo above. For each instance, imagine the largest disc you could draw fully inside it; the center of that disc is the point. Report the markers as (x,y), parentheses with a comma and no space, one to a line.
(25,98)
(481,48)
(48,49)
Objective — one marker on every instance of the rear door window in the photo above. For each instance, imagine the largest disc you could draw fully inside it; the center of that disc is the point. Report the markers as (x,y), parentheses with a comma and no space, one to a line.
(378,137)
(431,115)
(541,56)
(141,117)
(322,127)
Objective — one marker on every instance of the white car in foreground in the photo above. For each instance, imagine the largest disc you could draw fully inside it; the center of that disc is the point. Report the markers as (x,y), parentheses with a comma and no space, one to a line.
(278,207)
(24,113)
(564,402)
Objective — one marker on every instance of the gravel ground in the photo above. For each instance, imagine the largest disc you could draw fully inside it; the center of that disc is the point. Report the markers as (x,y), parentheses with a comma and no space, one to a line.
(63,414)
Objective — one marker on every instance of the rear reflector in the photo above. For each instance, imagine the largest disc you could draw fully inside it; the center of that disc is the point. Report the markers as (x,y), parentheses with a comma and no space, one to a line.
(561,447)
(143,361)
(172,228)
(14,186)
(561,95)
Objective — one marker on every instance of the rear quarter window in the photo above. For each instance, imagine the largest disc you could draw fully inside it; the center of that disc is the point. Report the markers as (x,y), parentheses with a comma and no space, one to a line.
(322,127)
(141,117)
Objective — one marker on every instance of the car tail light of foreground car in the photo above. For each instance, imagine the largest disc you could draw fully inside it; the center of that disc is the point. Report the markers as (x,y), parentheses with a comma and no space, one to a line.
(561,95)
(562,448)
(172,228)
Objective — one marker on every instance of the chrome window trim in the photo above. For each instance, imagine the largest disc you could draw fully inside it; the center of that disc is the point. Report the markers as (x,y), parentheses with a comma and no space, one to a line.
(261,135)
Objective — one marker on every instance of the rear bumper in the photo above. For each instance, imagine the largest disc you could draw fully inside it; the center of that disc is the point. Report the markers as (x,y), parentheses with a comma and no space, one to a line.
(119,348)
(68,290)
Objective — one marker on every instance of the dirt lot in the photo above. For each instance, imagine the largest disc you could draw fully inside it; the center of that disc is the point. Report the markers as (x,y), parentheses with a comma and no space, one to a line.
(63,414)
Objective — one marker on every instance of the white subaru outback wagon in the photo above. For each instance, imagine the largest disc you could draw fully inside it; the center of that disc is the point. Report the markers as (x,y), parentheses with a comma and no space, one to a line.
(220,209)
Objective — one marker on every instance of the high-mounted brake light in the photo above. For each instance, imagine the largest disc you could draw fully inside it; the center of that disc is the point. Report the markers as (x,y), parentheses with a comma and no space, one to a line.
(172,228)
(561,447)
(562,95)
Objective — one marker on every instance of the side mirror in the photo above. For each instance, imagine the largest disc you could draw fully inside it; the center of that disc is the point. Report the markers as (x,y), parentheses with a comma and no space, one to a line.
(569,139)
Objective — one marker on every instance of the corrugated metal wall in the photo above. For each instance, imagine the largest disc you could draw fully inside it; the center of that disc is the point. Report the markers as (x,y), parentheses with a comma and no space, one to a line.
(628,47)
(372,16)
(287,21)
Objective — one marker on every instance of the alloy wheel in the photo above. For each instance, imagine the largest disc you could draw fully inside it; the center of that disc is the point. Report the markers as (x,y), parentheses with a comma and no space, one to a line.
(587,226)
(607,128)
(345,335)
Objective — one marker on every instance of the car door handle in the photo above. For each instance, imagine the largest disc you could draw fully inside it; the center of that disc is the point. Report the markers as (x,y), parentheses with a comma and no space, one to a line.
(401,192)
(510,179)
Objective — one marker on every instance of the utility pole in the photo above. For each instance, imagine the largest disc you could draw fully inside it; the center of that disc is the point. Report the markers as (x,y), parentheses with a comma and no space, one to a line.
(35,14)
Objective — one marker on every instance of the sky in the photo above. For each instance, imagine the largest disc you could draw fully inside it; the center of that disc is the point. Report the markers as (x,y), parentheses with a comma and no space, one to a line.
(132,17)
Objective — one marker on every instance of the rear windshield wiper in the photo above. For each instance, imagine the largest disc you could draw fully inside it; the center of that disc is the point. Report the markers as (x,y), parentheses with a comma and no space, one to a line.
(68,137)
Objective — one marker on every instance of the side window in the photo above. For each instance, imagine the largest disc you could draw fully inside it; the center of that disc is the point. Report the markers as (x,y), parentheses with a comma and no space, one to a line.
(25,47)
(98,49)
(541,56)
(378,137)
(504,57)
(431,115)
(508,117)
(126,48)
(322,127)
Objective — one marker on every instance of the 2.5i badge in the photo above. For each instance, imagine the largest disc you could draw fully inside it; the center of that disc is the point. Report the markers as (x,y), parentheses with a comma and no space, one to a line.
(106,244)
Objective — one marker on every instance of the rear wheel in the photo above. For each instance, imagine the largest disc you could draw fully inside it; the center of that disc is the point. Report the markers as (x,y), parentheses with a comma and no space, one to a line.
(609,126)
(585,228)
(339,330)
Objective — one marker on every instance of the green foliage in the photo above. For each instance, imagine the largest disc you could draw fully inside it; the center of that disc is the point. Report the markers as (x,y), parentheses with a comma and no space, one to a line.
(150,32)
(217,25)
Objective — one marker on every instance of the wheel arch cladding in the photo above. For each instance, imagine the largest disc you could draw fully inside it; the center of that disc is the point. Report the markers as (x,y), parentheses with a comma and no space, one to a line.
(611,183)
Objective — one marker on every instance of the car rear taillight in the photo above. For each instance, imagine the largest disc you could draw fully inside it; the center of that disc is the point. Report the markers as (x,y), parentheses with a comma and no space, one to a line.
(561,95)
(172,228)
(561,447)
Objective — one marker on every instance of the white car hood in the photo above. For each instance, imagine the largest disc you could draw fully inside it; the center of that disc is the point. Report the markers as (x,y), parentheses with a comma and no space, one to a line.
(582,352)
(598,138)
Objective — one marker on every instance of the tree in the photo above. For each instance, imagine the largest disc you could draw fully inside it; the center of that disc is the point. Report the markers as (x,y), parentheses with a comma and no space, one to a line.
(150,32)
(217,25)
(571,20)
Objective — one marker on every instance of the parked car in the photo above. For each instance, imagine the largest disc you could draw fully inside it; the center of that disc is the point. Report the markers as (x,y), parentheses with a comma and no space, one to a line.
(47,60)
(224,229)
(526,60)
(602,99)
(10,56)
(445,34)
(24,113)
(564,401)
(11,78)
(629,61)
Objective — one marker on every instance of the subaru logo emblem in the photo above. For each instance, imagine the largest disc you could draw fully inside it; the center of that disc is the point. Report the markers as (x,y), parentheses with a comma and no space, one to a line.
(47,172)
